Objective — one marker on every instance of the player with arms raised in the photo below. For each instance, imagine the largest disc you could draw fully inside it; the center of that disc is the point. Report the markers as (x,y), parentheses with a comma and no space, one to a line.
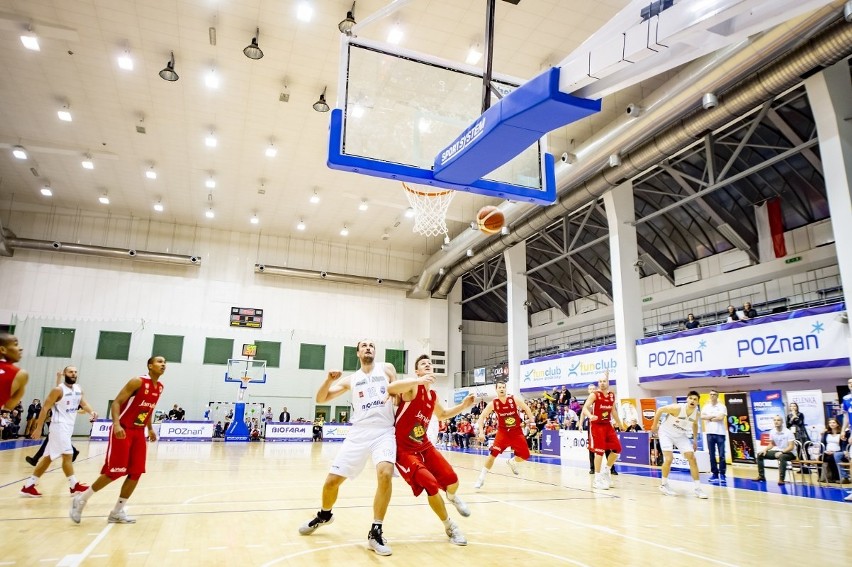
(599,409)
(509,433)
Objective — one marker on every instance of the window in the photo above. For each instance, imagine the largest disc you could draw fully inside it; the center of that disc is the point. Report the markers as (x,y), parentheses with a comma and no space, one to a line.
(113,345)
(312,357)
(56,342)
(350,359)
(270,352)
(397,358)
(217,351)
(169,347)
(7,329)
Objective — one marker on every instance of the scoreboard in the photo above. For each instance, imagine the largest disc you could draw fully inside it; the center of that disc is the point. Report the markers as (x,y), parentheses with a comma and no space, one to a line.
(246,317)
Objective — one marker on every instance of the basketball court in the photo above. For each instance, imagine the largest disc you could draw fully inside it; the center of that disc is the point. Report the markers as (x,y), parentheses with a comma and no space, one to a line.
(233,503)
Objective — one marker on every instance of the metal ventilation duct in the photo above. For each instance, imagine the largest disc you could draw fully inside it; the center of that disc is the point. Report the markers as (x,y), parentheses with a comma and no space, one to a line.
(330,276)
(827,48)
(102,251)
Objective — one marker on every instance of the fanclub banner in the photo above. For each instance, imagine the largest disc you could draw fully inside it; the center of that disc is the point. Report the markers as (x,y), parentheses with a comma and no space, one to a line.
(765,405)
(576,369)
(810,406)
(801,339)
(739,427)
(649,410)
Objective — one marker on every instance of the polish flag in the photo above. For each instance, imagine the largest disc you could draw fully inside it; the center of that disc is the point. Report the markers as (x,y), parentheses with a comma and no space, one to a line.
(770,230)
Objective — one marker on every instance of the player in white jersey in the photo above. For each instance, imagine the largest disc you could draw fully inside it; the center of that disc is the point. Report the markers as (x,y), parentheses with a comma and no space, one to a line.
(681,420)
(371,435)
(65,399)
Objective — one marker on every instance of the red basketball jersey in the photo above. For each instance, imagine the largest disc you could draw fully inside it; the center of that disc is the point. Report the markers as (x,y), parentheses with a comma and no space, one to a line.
(8,371)
(508,417)
(602,407)
(139,409)
(412,420)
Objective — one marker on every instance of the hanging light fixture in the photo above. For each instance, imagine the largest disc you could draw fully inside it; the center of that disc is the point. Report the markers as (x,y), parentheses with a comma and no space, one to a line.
(168,74)
(252,51)
(346,25)
(321,105)
(19,152)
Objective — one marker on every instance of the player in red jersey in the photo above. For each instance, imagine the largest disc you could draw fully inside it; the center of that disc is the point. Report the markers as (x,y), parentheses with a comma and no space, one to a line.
(132,411)
(599,408)
(417,460)
(509,432)
(13,380)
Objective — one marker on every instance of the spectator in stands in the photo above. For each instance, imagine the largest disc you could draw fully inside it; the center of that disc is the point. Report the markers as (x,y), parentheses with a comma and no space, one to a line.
(749,312)
(732,314)
(217,430)
(173,413)
(531,433)
(564,397)
(317,430)
(569,418)
(691,322)
(782,446)
(551,425)
(255,434)
(268,415)
(835,443)
(464,432)
(284,416)
(181,414)
(633,425)
(5,425)
(32,416)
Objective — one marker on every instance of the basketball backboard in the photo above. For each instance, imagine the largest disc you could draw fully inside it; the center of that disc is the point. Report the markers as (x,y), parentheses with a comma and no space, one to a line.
(245,371)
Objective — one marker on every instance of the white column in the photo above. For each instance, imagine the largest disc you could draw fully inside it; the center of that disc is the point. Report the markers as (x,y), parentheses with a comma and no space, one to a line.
(830,95)
(626,296)
(454,340)
(516,308)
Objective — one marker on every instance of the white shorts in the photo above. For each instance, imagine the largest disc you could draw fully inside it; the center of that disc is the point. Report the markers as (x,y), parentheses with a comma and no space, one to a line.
(669,442)
(59,441)
(360,443)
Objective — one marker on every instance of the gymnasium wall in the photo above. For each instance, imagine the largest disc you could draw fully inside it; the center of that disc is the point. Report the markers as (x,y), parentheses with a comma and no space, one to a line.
(90,294)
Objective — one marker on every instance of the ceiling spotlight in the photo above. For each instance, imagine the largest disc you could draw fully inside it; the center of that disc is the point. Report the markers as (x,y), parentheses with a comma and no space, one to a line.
(395,35)
(301,225)
(151,174)
(168,73)
(210,183)
(305,12)
(158,206)
(87,162)
(271,150)
(46,191)
(254,219)
(125,61)
(469,253)
(19,152)
(363,205)
(409,213)
(344,231)
(474,54)
(252,51)
(210,141)
(321,105)
(209,213)
(211,80)
(315,198)
(346,25)
(64,113)
(30,41)
(103,199)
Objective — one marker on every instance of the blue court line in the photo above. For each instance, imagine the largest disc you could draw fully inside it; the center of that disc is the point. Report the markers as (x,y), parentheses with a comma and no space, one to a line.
(19,443)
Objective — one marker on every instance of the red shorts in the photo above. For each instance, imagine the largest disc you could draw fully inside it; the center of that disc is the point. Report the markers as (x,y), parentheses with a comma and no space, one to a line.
(126,456)
(439,472)
(602,438)
(513,438)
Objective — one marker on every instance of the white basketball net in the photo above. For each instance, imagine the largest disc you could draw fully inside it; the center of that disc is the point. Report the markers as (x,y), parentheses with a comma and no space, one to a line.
(430,209)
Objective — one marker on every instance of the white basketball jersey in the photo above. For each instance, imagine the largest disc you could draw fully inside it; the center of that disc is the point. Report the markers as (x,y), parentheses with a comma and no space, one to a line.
(65,410)
(371,404)
(680,424)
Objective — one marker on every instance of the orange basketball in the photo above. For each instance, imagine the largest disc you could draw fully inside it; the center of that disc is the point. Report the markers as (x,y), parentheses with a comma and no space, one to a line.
(490,219)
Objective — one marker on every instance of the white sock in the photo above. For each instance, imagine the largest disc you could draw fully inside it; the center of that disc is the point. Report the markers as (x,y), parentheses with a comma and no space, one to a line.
(483,472)
(87,494)
(697,483)
(119,505)
(448,522)
(605,469)
(451,497)
(31,481)
(665,482)
(72,481)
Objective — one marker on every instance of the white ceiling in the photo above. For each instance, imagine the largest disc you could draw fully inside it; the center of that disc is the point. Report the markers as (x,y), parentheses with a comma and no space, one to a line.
(82,39)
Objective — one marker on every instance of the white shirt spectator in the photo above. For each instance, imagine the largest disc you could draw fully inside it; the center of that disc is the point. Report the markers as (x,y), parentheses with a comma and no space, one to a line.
(780,439)
(711,410)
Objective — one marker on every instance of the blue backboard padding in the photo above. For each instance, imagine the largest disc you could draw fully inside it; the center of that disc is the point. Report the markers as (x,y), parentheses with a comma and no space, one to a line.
(408,173)
(509,127)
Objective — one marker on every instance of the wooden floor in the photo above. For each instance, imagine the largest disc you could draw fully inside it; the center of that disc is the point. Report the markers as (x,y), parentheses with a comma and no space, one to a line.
(241,504)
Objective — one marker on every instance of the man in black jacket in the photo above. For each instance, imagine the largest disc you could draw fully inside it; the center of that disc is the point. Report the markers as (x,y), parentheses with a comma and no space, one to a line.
(284,417)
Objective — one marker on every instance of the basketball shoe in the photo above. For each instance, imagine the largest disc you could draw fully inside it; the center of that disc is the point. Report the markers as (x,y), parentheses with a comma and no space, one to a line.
(30,492)
(310,527)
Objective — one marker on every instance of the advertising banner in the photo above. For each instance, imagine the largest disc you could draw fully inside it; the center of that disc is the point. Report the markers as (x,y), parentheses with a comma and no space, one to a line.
(649,409)
(100,430)
(627,411)
(739,427)
(335,431)
(811,406)
(576,369)
(186,431)
(479,375)
(289,431)
(635,447)
(575,448)
(549,443)
(801,339)
(765,405)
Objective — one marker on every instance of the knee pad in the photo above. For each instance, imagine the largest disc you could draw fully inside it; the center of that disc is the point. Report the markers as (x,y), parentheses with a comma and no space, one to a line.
(425,479)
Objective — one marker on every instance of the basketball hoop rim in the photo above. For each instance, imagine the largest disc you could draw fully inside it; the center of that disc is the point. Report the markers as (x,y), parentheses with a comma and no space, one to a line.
(436,193)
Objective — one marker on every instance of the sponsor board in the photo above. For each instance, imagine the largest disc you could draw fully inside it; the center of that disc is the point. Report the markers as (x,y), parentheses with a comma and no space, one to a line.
(335,432)
(101,429)
(576,369)
(289,431)
(186,431)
